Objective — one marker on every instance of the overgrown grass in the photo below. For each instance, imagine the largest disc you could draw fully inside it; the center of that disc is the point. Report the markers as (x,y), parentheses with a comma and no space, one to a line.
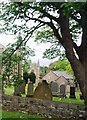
(8,114)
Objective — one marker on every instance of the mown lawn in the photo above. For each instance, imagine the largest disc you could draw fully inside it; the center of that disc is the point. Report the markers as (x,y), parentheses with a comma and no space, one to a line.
(8,114)
(9,90)
(70,100)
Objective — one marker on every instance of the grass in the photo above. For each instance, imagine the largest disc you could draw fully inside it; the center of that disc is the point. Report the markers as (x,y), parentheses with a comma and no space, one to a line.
(10,90)
(70,100)
(8,114)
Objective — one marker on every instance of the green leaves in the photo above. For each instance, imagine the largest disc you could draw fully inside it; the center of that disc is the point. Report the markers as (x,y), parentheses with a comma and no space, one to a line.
(53,52)
(61,65)
(11,58)
(45,34)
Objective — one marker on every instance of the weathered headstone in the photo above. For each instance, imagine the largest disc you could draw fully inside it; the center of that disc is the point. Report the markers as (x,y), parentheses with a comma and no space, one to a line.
(22,87)
(67,88)
(30,90)
(17,91)
(54,88)
(72,91)
(43,91)
(63,90)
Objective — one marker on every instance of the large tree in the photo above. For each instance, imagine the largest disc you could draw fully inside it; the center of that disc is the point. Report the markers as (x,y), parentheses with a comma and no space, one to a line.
(62,22)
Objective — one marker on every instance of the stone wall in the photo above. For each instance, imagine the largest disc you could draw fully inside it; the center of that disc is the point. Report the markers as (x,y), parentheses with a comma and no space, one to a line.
(44,108)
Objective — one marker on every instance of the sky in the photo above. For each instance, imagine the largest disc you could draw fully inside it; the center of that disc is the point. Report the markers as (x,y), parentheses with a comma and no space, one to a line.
(39,49)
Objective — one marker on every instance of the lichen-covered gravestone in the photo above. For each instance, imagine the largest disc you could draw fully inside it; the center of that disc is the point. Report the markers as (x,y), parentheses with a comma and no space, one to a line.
(43,91)
(54,88)
(63,90)
(22,87)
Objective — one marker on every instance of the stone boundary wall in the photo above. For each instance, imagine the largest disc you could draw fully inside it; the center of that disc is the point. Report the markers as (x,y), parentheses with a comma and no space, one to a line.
(44,108)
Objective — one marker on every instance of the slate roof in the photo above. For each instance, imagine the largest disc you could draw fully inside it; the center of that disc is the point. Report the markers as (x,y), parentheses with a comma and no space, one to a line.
(63,73)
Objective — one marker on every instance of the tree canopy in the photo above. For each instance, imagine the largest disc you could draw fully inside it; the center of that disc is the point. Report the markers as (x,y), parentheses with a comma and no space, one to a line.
(26,18)
(61,65)
(60,23)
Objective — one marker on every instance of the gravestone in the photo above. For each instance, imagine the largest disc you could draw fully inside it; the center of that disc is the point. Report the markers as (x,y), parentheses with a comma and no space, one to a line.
(22,87)
(43,91)
(54,88)
(72,91)
(30,90)
(63,90)
(17,90)
(68,89)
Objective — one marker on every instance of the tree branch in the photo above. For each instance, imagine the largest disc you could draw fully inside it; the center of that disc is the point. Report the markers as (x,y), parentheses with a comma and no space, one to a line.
(55,31)
(36,19)
(76,19)
(76,47)
(50,16)
(27,37)
(45,14)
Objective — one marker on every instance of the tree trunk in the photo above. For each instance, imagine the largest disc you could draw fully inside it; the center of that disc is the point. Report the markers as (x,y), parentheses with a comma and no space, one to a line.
(79,65)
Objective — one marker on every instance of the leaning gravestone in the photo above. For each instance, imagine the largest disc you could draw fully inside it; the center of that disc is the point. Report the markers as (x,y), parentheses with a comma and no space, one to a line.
(43,91)
(63,90)
(54,88)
